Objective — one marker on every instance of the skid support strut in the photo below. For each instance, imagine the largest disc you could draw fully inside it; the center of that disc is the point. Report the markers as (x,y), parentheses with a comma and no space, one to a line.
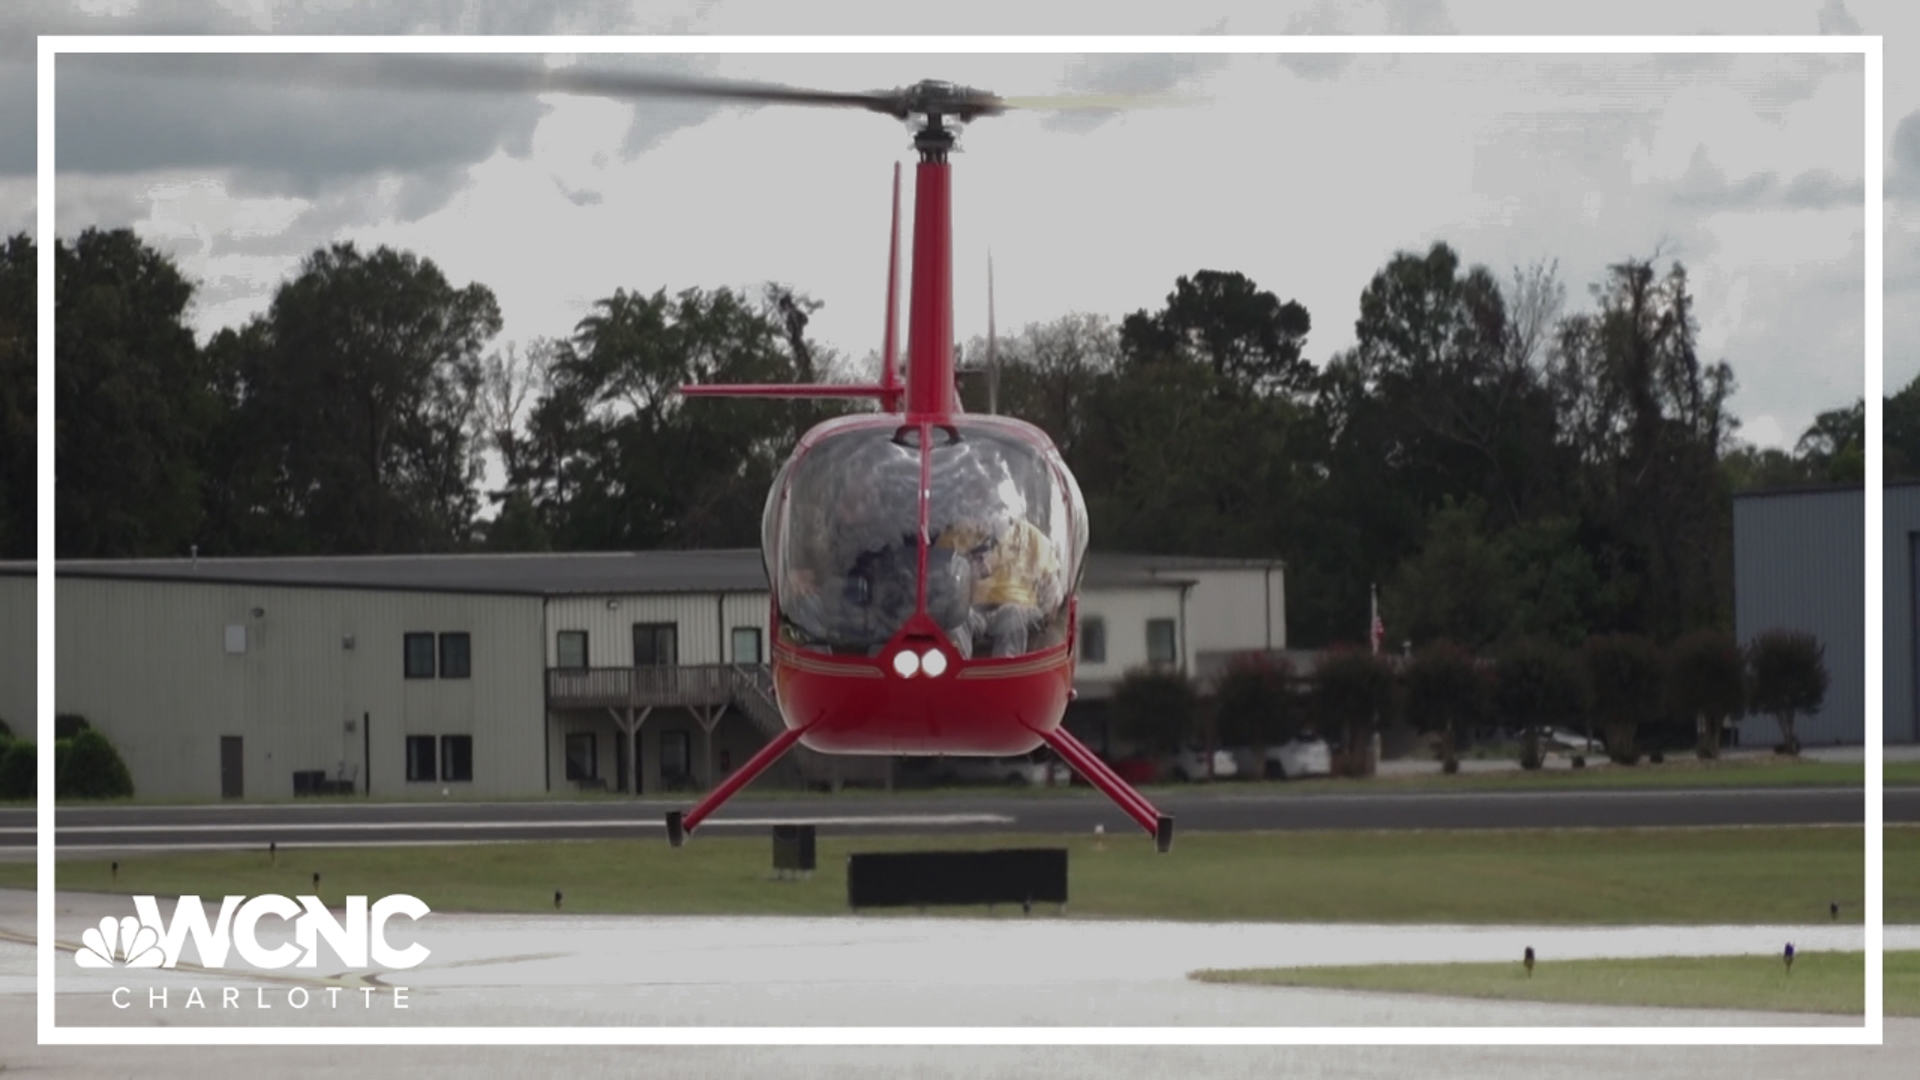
(1087,764)
(678,826)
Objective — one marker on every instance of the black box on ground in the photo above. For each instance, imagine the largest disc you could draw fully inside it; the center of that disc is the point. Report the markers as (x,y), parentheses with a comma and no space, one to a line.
(925,878)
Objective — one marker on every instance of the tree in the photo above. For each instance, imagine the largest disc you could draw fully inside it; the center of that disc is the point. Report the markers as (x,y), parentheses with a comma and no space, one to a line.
(1833,448)
(1353,690)
(1900,433)
(614,457)
(1444,693)
(1256,705)
(1154,709)
(1538,685)
(1458,587)
(1789,677)
(1627,675)
(19,362)
(1706,680)
(1048,375)
(1647,422)
(357,392)
(1247,336)
(134,398)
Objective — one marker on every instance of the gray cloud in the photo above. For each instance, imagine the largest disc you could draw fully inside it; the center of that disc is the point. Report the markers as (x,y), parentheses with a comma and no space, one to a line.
(581,197)
(1903,161)
(1818,189)
(21,21)
(120,115)
(18,119)
(1836,19)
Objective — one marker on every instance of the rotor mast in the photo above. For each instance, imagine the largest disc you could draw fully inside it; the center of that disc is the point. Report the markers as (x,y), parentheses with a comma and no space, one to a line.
(930,388)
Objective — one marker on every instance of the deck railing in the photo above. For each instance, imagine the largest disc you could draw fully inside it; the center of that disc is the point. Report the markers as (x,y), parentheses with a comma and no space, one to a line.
(687,684)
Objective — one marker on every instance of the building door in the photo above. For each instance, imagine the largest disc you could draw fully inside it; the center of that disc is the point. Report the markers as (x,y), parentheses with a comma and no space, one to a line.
(231,781)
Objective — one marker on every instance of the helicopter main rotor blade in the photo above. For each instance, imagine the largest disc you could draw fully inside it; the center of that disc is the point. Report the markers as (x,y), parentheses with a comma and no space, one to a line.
(497,75)
(490,74)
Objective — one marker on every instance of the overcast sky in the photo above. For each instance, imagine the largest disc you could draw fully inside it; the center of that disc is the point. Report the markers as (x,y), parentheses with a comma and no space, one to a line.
(1305,173)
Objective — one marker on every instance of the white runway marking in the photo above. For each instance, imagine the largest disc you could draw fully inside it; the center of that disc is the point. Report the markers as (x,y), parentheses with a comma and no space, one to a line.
(590,823)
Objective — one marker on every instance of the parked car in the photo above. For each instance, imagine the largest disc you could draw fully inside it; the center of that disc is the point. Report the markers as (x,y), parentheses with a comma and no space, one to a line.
(1038,769)
(1571,742)
(1191,764)
(1288,761)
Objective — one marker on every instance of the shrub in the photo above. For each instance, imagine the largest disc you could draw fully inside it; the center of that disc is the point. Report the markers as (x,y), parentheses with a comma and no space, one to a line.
(67,725)
(1256,705)
(18,771)
(1536,685)
(1627,677)
(1706,683)
(1352,691)
(1789,677)
(1445,694)
(1155,710)
(93,770)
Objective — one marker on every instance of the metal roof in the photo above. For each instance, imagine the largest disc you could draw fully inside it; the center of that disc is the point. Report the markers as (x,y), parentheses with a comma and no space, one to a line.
(571,573)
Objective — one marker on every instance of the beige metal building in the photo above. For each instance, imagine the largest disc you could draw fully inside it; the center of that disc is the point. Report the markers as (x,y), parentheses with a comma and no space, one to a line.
(511,675)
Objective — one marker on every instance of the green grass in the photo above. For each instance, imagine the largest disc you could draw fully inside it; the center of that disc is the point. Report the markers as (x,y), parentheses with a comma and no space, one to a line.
(1585,877)
(1675,773)
(1820,982)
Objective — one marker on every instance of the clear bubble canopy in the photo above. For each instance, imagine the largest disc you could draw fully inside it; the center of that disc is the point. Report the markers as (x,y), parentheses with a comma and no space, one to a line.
(1005,537)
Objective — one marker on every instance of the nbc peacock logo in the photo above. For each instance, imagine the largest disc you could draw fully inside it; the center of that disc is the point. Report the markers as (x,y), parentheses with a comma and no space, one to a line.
(123,942)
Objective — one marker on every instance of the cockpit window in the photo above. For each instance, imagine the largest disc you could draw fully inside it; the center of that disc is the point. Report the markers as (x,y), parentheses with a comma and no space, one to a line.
(1005,541)
(852,542)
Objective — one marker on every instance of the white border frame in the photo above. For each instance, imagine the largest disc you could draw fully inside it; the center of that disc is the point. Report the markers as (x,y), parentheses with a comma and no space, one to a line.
(1871,1034)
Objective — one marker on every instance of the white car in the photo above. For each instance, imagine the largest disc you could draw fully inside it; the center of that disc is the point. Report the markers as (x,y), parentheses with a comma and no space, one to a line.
(1288,761)
(1570,741)
(1191,764)
(1038,769)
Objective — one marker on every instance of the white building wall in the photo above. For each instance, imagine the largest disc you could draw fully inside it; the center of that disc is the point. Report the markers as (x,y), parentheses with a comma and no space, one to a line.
(19,655)
(702,622)
(147,663)
(1125,612)
(1236,609)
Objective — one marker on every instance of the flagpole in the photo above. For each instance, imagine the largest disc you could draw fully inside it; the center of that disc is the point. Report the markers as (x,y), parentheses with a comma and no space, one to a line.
(1373,626)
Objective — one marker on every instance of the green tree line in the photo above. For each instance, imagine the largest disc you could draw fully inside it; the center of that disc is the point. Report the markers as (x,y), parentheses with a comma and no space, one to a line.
(1501,466)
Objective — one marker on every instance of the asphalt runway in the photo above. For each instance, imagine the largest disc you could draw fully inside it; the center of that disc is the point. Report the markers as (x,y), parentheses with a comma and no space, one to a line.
(624,971)
(96,830)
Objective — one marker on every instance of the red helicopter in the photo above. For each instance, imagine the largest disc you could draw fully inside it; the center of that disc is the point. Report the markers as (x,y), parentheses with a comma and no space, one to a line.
(923,561)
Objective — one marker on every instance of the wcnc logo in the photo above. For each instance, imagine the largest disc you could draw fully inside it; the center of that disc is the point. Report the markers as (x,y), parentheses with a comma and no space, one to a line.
(150,941)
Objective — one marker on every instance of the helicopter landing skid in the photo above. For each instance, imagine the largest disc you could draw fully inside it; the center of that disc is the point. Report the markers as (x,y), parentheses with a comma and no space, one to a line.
(678,825)
(1088,764)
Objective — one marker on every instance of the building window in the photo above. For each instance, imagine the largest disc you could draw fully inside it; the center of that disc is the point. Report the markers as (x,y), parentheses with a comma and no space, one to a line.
(572,649)
(582,756)
(653,645)
(456,656)
(746,645)
(1093,641)
(456,757)
(1162,646)
(419,757)
(419,656)
(676,756)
